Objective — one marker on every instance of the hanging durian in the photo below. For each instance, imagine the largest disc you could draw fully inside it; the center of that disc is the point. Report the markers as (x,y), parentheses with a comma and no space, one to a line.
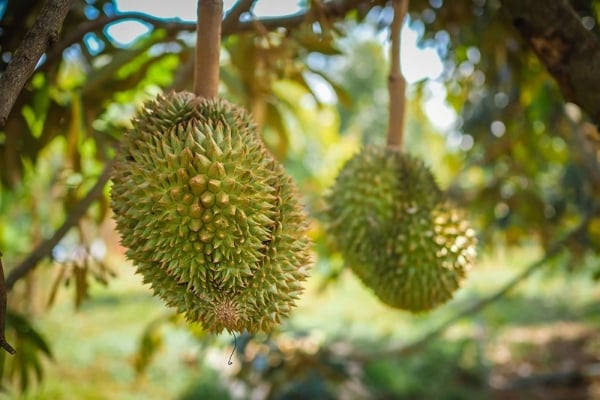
(396,232)
(209,218)
(427,255)
(373,187)
(391,221)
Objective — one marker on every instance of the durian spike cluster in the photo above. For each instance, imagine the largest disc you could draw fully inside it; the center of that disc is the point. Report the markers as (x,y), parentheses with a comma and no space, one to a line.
(209,218)
(397,232)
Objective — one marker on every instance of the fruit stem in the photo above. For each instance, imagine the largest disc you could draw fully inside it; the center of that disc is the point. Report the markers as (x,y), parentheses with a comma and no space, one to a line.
(208,48)
(396,81)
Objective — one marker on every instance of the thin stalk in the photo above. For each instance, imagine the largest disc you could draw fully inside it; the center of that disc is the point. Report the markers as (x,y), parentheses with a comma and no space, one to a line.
(208,48)
(396,81)
(3,303)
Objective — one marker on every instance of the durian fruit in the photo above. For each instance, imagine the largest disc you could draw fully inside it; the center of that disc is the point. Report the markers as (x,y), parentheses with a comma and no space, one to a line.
(373,187)
(209,218)
(396,231)
(424,259)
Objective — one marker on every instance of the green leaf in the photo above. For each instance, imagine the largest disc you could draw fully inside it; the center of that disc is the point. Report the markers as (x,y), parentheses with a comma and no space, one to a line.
(23,330)
(30,346)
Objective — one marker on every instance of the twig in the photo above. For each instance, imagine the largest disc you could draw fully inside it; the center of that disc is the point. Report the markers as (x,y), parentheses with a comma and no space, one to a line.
(233,16)
(44,249)
(208,48)
(100,22)
(42,34)
(334,9)
(396,81)
(3,302)
(231,24)
(481,304)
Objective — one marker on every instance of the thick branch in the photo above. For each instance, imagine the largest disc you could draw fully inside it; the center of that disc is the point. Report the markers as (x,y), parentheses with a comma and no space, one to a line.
(396,81)
(208,48)
(568,50)
(45,248)
(42,34)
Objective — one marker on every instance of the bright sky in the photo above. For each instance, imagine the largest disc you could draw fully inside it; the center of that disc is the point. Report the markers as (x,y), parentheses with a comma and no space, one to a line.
(417,63)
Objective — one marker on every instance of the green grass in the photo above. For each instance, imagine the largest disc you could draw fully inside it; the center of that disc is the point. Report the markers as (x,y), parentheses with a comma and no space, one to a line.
(94,347)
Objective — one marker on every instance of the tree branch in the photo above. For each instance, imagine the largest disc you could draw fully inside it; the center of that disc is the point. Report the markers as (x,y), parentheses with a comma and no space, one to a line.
(569,51)
(3,303)
(45,248)
(231,24)
(233,16)
(335,9)
(42,34)
(553,251)
(396,81)
(208,48)
(99,23)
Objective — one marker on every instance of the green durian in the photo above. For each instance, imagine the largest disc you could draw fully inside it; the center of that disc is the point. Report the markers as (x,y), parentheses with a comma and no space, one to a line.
(209,218)
(373,187)
(423,259)
(396,231)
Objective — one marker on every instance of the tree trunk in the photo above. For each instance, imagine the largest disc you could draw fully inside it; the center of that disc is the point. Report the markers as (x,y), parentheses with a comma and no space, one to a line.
(567,43)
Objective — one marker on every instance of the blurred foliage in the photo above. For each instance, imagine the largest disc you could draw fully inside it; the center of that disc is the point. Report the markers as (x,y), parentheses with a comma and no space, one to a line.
(295,366)
(153,337)
(457,366)
(524,162)
(523,171)
(207,387)
(26,365)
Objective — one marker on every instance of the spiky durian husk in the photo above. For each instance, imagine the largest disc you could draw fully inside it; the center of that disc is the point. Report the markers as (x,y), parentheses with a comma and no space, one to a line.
(395,230)
(209,218)
(371,190)
(422,260)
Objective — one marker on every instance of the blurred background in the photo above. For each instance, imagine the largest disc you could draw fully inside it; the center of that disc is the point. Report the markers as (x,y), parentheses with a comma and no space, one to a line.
(482,111)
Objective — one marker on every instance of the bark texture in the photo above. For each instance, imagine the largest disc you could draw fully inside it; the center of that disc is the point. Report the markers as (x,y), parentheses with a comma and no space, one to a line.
(43,34)
(565,44)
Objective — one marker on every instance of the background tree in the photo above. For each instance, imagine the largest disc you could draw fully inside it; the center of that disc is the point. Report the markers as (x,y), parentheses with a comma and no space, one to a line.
(523,156)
